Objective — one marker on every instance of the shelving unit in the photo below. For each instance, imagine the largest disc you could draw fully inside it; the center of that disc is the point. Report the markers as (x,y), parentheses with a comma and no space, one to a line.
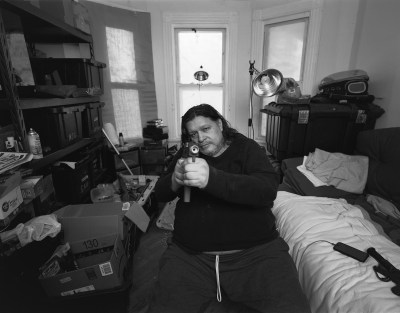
(9,94)
(38,27)
(48,160)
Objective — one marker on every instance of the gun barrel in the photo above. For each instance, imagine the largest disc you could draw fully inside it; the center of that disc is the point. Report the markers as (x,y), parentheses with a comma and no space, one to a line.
(189,150)
(186,194)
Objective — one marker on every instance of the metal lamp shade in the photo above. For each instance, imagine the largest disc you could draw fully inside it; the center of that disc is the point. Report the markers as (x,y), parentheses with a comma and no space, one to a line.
(201,75)
(267,83)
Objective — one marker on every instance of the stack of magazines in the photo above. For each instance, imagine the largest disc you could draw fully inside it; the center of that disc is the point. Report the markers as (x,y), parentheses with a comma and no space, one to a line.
(10,160)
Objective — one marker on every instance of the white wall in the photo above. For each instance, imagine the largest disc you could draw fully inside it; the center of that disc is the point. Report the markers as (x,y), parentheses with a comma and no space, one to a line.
(355,34)
(377,51)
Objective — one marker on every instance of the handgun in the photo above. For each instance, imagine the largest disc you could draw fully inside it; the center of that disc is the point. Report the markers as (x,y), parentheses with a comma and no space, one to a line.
(388,271)
(190,149)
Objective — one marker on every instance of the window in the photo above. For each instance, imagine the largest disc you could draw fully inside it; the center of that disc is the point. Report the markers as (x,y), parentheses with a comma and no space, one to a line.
(125,95)
(196,48)
(212,45)
(284,49)
(287,39)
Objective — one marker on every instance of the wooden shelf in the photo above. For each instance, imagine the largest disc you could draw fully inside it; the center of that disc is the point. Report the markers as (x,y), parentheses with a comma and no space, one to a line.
(34,103)
(36,165)
(40,27)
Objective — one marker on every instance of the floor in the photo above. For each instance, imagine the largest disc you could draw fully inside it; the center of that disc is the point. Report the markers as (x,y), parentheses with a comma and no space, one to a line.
(145,267)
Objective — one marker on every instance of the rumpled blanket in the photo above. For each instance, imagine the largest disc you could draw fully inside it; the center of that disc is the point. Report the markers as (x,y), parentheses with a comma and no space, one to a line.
(383,206)
(345,172)
(332,281)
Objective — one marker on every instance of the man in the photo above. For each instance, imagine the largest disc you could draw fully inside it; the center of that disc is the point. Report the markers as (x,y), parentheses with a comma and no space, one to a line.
(226,254)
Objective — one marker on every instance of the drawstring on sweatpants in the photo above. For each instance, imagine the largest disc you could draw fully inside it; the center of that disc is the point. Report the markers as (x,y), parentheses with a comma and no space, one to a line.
(219,297)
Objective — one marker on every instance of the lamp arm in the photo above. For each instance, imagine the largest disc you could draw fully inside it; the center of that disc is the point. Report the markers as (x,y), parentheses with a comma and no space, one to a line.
(252,69)
(267,84)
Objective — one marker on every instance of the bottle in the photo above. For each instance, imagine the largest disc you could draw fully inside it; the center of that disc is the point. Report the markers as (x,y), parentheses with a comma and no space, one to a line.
(34,144)
(121,139)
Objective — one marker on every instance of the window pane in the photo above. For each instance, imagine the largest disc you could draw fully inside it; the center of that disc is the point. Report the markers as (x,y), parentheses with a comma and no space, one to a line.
(283,48)
(200,48)
(127,112)
(190,96)
(121,55)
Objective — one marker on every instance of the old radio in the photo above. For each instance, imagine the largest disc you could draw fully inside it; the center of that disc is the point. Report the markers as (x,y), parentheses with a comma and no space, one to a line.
(346,83)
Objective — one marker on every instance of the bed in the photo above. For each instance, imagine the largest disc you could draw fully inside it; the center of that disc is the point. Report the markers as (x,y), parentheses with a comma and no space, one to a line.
(313,219)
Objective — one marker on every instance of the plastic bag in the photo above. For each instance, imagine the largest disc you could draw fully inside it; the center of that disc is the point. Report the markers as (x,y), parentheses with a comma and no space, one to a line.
(38,228)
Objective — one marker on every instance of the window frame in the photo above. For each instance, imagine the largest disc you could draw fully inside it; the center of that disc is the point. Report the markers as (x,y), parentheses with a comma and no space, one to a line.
(206,85)
(217,20)
(132,86)
(287,21)
(311,9)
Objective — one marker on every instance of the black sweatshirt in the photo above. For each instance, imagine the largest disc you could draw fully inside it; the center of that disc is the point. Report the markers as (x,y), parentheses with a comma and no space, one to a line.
(234,210)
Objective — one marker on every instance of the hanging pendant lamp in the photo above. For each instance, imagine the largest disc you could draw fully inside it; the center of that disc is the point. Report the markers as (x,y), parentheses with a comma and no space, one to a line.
(201,75)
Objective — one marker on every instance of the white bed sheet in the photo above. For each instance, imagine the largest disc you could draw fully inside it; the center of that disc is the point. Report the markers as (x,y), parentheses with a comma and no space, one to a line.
(332,281)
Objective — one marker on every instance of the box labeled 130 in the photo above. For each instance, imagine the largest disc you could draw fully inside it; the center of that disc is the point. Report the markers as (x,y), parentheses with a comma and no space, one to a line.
(99,271)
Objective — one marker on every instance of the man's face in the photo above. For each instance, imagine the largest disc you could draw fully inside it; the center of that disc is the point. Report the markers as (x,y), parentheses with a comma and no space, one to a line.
(207,134)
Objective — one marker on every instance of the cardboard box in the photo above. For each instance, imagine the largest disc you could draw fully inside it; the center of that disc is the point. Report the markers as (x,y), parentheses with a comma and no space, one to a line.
(102,218)
(10,194)
(95,234)
(32,187)
(48,187)
(96,256)
(46,202)
(91,244)
(24,212)
(104,272)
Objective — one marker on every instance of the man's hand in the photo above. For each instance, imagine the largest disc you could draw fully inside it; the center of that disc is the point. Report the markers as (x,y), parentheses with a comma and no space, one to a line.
(196,173)
(178,175)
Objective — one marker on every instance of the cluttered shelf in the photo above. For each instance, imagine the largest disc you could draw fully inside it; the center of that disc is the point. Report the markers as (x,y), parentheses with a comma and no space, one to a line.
(38,164)
(42,27)
(34,103)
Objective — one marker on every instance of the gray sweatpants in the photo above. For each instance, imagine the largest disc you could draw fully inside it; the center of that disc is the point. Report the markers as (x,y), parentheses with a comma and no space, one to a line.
(260,279)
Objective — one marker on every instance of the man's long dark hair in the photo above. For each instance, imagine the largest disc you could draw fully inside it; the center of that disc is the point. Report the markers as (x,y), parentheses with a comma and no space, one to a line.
(206,110)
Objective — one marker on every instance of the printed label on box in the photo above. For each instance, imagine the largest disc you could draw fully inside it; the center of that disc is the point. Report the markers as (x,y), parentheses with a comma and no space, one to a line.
(106,269)
(78,290)
(67,293)
(65,280)
(10,202)
(84,289)
(303,116)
